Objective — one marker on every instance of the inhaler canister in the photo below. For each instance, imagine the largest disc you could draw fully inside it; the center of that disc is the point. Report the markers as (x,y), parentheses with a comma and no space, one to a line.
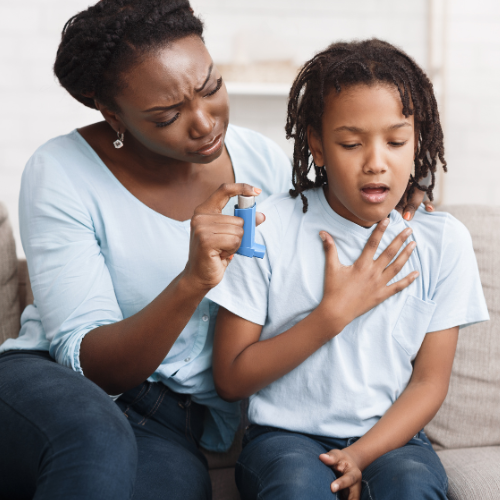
(246,210)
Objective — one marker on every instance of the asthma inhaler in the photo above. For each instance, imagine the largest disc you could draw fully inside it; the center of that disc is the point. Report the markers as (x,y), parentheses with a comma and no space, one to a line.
(246,210)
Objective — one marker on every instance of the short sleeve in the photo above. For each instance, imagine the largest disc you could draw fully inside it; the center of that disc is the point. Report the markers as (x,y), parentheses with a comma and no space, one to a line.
(458,293)
(244,289)
(71,284)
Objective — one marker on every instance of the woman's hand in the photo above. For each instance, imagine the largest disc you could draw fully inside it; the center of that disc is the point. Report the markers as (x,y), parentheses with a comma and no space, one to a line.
(215,237)
(351,291)
(408,206)
(350,480)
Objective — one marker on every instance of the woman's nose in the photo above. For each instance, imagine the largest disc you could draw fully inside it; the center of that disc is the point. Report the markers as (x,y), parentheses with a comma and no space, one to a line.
(202,123)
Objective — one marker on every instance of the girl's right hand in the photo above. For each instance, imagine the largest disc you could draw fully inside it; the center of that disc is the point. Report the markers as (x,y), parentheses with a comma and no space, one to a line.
(215,237)
(351,291)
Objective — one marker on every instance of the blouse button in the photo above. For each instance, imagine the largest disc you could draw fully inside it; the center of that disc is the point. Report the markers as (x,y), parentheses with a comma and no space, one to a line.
(187,359)
(204,317)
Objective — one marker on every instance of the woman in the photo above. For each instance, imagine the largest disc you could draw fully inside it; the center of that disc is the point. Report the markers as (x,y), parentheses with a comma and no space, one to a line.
(125,229)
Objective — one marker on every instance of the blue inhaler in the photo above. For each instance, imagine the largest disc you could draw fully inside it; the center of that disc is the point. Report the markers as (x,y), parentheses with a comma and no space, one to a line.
(246,210)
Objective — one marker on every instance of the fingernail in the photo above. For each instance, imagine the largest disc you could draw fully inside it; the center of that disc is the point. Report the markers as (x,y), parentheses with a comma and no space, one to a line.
(407,216)
(335,487)
(408,231)
(231,257)
(257,190)
(430,208)
(416,275)
(322,236)
(412,245)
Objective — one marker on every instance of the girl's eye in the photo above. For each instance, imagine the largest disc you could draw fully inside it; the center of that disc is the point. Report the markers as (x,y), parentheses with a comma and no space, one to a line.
(398,144)
(169,122)
(217,88)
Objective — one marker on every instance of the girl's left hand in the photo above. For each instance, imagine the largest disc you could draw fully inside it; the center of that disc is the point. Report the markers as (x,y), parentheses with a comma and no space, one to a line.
(350,479)
(408,207)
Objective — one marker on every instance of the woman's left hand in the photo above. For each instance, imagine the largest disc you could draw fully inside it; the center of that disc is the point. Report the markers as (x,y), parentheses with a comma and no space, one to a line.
(408,206)
(350,479)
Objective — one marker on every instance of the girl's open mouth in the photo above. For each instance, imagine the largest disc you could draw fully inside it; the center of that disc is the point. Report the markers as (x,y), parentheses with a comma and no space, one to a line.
(374,194)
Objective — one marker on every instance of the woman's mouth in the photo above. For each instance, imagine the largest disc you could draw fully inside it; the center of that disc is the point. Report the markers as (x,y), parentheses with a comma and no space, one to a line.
(211,147)
(374,193)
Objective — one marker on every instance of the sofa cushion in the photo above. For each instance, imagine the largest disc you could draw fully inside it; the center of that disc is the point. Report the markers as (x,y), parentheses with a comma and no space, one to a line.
(470,415)
(9,303)
(473,473)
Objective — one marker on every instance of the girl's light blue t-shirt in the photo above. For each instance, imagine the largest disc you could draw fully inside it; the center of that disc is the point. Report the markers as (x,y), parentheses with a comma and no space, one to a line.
(347,385)
(97,255)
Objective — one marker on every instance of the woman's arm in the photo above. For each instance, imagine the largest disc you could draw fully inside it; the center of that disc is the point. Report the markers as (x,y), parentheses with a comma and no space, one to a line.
(414,409)
(243,365)
(121,355)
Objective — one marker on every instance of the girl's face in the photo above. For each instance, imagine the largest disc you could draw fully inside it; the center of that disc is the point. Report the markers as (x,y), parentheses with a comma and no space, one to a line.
(175,103)
(367,146)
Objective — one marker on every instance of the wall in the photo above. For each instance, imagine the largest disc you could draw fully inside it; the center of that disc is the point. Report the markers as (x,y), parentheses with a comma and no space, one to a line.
(34,107)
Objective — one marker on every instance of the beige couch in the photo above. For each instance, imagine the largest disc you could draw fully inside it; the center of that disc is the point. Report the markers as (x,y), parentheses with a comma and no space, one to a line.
(466,431)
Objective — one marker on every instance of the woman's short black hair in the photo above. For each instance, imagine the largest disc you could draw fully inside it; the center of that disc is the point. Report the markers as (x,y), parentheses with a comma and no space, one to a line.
(368,62)
(101,43)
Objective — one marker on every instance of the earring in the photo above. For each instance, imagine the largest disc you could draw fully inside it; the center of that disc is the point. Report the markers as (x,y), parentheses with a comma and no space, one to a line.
(119,142)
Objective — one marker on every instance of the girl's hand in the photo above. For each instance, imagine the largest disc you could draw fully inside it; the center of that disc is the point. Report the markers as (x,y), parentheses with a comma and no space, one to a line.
(407,207)
(351,291)
(350,479)
(215,237)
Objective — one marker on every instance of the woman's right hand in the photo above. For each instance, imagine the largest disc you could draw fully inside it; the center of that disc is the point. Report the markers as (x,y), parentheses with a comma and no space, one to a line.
(351,291)
(215,237)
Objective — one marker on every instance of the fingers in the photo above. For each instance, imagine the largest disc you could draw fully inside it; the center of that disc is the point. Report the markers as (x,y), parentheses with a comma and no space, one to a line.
(392,250)
(401,284)
(429,206)
(259,218)
(413,203)
(219,199)
(394,268)
(374,240)
(331,255)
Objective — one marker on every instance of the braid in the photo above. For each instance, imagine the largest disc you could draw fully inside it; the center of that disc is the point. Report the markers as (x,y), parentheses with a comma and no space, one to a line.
(99,44)
(367,62)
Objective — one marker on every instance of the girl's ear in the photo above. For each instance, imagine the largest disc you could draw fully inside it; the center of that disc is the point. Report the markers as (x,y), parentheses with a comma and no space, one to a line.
(315,146)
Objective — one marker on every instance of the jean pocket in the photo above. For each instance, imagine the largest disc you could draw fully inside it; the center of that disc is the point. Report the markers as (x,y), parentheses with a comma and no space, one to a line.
(412,324)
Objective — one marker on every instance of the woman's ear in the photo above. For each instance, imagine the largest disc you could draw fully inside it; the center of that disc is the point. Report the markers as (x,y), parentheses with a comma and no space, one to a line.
(315,146)
(111,117)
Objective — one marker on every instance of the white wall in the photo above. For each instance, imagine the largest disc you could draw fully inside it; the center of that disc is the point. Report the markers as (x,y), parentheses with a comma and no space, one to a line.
(34,108)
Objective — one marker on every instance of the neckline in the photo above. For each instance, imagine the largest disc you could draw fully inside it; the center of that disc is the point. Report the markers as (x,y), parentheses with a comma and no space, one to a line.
(182,223)
(348,225)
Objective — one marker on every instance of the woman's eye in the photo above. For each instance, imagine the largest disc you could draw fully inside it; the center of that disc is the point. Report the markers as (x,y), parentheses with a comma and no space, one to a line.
(349,146)
(217,88)
(398,144)
(169,122)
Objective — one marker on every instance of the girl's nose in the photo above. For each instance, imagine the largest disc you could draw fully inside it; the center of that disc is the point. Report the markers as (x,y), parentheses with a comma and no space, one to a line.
(202,123)
(374,162)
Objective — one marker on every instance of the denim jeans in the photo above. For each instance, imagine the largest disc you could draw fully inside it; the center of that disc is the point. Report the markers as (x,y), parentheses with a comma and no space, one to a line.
(63,437)
(278,465)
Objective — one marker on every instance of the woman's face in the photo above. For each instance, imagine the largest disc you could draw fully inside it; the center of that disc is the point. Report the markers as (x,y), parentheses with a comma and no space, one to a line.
(175,103)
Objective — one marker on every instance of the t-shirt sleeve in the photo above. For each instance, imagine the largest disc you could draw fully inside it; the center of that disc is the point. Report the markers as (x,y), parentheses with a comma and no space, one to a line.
(244,289)
(458,293)
(71,283)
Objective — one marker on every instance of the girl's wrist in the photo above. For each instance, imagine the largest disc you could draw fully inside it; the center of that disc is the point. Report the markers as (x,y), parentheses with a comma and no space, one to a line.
(331,321)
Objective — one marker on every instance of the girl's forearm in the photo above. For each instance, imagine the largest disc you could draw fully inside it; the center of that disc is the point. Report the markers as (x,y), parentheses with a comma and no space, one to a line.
(263,362)
(120,356)
(407,416)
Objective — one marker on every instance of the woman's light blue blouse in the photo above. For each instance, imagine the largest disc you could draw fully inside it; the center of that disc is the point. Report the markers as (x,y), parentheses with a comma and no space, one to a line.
(97,255)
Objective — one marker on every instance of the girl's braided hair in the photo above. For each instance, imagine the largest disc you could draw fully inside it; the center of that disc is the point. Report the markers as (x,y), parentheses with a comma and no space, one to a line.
(101,43)
(367,62)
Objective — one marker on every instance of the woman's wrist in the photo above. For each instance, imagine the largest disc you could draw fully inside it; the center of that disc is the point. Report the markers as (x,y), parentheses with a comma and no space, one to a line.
(189,285)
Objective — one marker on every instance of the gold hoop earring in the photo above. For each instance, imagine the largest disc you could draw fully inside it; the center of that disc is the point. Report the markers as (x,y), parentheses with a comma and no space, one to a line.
(119,142)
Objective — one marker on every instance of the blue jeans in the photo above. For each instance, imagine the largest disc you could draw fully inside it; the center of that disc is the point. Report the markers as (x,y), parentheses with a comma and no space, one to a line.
(62,437)
(281,465)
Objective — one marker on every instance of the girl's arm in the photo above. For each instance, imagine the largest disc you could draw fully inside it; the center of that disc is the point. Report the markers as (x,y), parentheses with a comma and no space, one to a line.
(414,409)
(243,365)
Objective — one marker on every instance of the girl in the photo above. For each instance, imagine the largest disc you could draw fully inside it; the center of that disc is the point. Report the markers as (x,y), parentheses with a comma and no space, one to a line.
(338,402)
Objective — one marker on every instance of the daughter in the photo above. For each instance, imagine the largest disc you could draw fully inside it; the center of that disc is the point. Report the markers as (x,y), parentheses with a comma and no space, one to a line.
(341,390)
